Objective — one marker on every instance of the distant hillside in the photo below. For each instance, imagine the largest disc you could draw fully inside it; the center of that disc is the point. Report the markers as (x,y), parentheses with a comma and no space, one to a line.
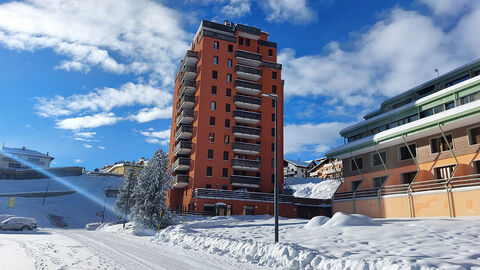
(314,188)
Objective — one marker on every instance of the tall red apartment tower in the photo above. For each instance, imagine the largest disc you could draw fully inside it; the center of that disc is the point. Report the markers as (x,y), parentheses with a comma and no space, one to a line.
(223,132)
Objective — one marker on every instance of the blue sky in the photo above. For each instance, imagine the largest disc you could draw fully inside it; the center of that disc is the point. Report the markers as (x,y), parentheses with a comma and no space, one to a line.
(91,81)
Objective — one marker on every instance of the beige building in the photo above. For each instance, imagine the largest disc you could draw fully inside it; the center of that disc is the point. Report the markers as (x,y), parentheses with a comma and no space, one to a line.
(122,167)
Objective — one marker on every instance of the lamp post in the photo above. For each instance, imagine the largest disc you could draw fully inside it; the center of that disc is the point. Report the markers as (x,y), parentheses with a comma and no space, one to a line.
(275,190)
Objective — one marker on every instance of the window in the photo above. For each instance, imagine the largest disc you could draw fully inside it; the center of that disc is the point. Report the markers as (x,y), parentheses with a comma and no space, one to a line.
(379,181)
(274,89)
(376,161)
(225,172)
(224,187)
(230,63)
(356,164)
(227,123)
(214,74)
(225,155)
(273,147)
(273,178)
(208,186)
(439,144)
(214,90)
(405,154)
(408,177)
(215,45)
(270,52)
(273,117)
(247,42)
(230,48)
(273,131)
(240,40)
(459,80)
(229,92)
(226,139)
(273,103)
(468,99)
(274,75)
(210,154)
(438,109)
(449,105)
(356,184)
(248,210)
(215,60)
(229,77)
(476,166)
(211,137)
(227,107)
(444,172)
(213,105)
(212,121)
(474,135)
(209,171)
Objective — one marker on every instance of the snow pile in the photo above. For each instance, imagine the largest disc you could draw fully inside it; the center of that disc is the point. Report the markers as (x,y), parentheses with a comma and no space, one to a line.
(341,220)
(316,222)
(130,229)
(313,187)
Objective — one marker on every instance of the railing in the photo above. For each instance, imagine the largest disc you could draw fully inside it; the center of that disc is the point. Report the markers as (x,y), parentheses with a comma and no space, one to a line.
(247,99)
(248,55)
(182,145)
(239,195)
(188,83)
(182,129)
(181,161)
(246,130)
(183,114)
(181,179)
(247,84)
(247,114)
(250,70)
(244,180)
(252,147)
(245,163)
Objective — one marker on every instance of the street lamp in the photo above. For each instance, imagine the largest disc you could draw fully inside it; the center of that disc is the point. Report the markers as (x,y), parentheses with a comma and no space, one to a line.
(275,190)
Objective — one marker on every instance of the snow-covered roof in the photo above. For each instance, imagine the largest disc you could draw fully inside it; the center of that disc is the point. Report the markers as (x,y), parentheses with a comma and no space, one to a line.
(298,163)
(25,151)
(312,187)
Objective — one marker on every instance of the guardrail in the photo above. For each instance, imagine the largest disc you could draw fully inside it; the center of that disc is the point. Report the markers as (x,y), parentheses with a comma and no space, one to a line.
(239,195)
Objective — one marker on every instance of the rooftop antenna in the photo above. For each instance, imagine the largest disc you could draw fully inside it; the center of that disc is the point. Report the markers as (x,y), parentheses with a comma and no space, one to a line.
(438,72)
(298,157)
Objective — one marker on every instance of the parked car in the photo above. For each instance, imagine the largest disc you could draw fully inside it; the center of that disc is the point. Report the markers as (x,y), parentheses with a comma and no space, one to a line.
(18,223)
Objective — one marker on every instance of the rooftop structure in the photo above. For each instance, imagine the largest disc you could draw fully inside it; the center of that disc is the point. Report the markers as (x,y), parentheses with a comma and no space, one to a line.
(13,158)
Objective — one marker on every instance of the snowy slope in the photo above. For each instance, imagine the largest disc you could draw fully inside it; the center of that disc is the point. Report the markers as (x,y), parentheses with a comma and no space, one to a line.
(314,188)
(77,209)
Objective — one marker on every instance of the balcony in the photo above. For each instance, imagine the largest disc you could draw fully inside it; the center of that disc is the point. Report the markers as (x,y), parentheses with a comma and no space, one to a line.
(184,132)
(181,164)
(188,73)
(248,58)
(248,73)
(245,164)
(187,88)
(185,117)
(246,117)
(245,181)
(245,148)
(246,102)
(180,180)
(186,102)
(182,148)
(246,132)
(248,88)
(191,58)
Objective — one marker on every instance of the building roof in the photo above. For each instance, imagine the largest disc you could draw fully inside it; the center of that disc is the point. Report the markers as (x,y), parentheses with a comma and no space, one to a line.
(25,151)
(298,163)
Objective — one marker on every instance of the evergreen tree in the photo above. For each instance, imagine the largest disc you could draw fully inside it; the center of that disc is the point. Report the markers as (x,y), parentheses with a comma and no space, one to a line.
(125,193)
(150,210)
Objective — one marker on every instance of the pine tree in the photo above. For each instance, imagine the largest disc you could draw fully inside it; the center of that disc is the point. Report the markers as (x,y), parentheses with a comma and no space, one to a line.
(125,193)
(150,210)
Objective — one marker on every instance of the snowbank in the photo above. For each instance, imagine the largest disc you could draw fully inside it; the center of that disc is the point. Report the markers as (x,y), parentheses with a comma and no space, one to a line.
(313,187)
(316,222)
(342,220)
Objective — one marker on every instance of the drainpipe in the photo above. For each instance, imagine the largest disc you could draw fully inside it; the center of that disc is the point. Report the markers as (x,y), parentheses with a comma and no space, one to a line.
(447,184)
(381,186)
(409,190)
(361,182)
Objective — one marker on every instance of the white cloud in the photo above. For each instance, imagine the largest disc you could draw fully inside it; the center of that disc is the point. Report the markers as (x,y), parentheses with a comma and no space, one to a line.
(114,35)
(89,121)
(89,134)
(317,138)
(88,146)
(101,147)
(295,11)
(446,7)
(81,139)
(399,52)
(77,161)
(236,8)
(149,114)
(157,137)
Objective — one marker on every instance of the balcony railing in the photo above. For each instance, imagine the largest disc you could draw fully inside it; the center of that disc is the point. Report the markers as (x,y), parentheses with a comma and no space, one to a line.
(182,148)
(245,148)
(245,164)
(189,73)
(248,73)
(191,58)
(247,102)
(187,88)
(246,117)
(181,164)
(239,195)
(246,132)
(247,87)
(186,102)
(180,180)
(244,181)
(184,132)
(185,117)
(248,58)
